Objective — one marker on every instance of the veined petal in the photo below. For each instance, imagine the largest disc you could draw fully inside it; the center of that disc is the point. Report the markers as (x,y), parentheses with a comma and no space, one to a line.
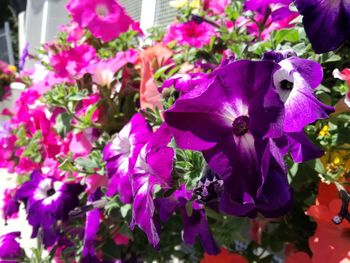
(324,20)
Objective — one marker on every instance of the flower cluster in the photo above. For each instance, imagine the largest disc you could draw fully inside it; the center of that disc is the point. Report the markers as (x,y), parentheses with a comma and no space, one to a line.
(222,124)
(7,76)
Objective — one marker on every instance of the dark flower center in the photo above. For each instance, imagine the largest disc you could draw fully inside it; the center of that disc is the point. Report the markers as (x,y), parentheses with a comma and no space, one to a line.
(50,192)
(286,85)
(240,125)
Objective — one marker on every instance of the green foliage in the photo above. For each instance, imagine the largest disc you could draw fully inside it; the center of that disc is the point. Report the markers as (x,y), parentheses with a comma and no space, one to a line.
(188,167)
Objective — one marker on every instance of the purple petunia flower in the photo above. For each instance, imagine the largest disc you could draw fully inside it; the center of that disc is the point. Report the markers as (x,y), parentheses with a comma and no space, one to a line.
(10,249)
(92,225)
(230,118)
(300,147)
(47,201)
(24,56)
(195,225)
(153,167)
(10,207)
(295,82)
(326,22)
(133,163)
(121,154)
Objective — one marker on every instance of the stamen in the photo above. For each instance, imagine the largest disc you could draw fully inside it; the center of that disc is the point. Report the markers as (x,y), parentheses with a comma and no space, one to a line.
(240,125)
(50,192)
(286,85)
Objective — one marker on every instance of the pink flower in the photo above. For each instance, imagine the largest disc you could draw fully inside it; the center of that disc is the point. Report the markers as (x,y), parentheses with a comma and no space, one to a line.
(106,19)
(95,181)
(25,165)
(74,31)
(190,33)
(85,105)
(104,70)
(120,239)
(73,62)
(344,75)
(50,168)
(80,145)
(7,146)
(217,6)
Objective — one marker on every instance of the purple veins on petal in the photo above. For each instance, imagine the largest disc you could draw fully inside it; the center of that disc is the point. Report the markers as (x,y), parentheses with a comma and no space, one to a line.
(295,82)
(121,154)
(233,130)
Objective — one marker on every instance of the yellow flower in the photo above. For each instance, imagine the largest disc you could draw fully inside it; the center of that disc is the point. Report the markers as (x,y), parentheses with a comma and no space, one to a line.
(12,68)
(195,4)
(183,3)
(336,160)
(324,131)
(178,3)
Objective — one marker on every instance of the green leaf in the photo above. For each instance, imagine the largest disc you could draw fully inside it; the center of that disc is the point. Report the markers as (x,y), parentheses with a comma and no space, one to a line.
(63,123)
(67,166)
(161,71)
(86,163)
(290,35)
(124,210)
(110,249)
(21,136)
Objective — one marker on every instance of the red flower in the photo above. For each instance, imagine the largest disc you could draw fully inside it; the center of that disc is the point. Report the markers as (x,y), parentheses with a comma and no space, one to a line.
(298,257)
(224,257)
(343,75)
(330,243)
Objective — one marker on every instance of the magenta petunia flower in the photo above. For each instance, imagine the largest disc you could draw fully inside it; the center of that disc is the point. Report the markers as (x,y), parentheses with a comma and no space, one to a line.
(216,6)
(269,15)
(121,155)
(106,19)
(10,249)
(190,33)
(233,132)
(47,201)
(74,32)
(183,82)
(73,63)
(262,5)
